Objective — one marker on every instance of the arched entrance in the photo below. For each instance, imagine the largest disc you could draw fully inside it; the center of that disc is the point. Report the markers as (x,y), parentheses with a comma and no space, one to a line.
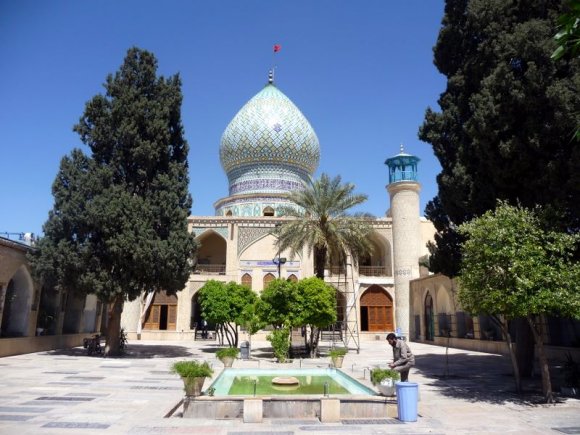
(195,320)
(429,318)
(376,310)
(211,255)
(17,304)
(378,262)
(162,314)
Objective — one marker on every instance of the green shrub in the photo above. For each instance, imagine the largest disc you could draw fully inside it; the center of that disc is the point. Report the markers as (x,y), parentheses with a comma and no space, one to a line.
(338,351)
(192,369)
(280,340)
(377,375)
(225,352)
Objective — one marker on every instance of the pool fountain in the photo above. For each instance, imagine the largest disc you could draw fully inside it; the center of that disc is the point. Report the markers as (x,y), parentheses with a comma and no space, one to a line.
(251,394)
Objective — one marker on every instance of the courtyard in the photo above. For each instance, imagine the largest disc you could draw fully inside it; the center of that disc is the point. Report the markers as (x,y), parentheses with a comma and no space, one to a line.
(66,391)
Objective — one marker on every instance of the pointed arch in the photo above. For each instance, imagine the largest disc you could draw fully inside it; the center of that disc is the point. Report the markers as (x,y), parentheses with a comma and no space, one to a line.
(268,278)
(17,304)
(212,253)
(429,318)
(378,262)
(268,211)
(292,278)
(195,319)
(376,310)
(247,280)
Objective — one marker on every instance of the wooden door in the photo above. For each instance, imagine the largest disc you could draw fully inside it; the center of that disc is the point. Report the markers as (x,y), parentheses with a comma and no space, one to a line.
(153,317)
(171,317)
(378,308)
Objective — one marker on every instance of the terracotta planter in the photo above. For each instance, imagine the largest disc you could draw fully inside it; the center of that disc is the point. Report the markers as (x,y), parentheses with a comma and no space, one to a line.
(193,386)
(337,361)
(228,361)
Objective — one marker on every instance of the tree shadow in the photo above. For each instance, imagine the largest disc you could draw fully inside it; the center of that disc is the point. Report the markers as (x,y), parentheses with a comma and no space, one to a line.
(478,378)
(133,351)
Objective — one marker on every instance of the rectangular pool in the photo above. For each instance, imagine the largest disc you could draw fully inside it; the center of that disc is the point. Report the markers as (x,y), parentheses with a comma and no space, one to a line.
(258,382)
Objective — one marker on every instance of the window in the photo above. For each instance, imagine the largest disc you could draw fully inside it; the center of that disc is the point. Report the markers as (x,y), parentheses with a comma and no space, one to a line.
(267,279)
(247,280)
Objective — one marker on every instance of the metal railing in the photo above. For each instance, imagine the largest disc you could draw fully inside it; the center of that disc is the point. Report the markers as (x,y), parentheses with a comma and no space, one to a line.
(372,271)
(362,270)
(210,269)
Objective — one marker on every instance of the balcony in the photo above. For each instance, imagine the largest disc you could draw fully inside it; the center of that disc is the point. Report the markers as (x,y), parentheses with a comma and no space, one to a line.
(210,269)
(362,270)
(372,271)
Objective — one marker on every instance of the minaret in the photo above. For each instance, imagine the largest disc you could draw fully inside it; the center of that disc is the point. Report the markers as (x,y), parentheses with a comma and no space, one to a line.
(404,190)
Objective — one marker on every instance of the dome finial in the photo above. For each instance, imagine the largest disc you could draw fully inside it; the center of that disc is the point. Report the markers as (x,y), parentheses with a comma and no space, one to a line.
(402,148)
(271,76)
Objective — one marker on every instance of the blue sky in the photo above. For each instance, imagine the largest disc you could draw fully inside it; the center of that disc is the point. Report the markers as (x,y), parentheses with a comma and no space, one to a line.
(361,72)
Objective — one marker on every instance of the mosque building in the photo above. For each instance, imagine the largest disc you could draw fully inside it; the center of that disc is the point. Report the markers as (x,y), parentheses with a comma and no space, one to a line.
(268,150)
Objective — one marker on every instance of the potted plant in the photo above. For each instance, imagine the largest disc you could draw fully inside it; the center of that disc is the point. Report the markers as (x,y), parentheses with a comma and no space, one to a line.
(337,356)
(384,380)
(193,374)
(227,355)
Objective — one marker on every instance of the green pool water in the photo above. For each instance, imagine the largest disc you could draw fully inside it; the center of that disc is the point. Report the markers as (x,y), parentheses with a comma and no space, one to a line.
(244,385)
(241,382)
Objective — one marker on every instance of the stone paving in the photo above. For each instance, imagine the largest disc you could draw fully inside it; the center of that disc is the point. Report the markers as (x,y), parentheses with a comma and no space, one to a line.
(68,392)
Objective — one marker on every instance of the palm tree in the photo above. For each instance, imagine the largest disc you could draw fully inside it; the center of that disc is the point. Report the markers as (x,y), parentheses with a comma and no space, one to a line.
(323,225)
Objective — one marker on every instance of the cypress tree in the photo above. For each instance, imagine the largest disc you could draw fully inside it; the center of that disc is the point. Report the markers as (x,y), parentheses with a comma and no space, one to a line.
(119,222)
(507,120)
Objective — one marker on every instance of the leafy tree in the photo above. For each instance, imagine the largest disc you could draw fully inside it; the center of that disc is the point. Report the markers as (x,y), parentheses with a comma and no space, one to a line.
(119,222)
(309,303)
(227,305)
(278,302)
(568,36)
(323,225)
(251,320)
(506,118)
(514,268)
(316,309)
(568,39)
(280,340)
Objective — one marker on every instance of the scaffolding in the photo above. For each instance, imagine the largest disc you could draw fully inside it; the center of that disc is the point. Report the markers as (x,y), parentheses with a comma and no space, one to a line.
(346,328)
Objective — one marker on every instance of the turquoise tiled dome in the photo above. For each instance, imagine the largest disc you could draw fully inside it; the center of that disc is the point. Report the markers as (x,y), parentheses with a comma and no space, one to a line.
(269,146)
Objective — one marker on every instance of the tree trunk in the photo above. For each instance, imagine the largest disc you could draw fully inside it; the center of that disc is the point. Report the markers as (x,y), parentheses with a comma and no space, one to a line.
(507,337)
(543,360)
(219,334)
(314,333)
(524,347)
(320,260)
(114,327)
(229,331)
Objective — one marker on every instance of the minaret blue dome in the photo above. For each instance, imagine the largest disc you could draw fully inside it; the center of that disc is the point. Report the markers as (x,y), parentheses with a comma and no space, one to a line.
(402,167)
(268,148)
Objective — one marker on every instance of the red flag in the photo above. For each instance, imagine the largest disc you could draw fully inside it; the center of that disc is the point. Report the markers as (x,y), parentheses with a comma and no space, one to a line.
(277,48)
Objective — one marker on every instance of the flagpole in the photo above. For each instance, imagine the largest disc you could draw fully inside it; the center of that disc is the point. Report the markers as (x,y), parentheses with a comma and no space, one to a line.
(276,49)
